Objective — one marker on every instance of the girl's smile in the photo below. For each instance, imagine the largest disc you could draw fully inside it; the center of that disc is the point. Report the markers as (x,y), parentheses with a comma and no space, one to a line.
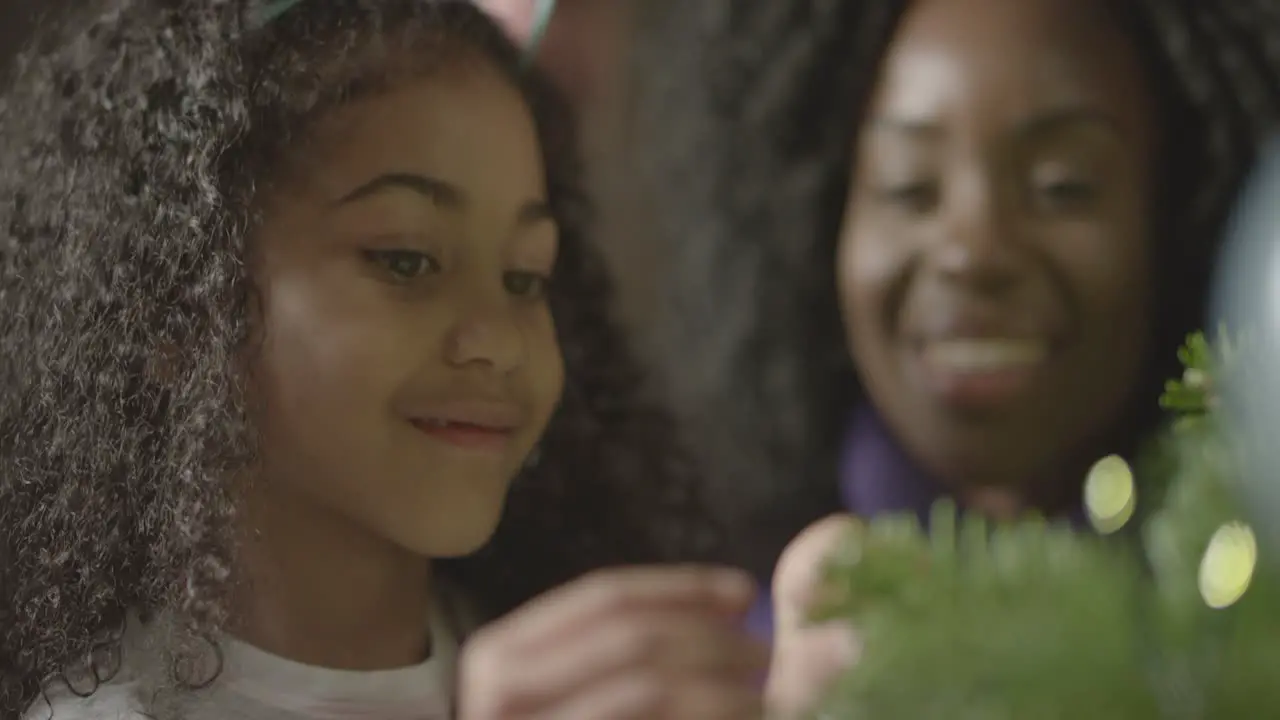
(476,425)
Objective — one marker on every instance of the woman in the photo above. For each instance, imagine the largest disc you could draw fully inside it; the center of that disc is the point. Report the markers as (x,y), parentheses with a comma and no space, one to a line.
(940,247)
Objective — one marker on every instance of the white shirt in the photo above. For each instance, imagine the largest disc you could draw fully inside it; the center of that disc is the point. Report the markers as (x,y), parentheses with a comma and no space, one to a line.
(255,685)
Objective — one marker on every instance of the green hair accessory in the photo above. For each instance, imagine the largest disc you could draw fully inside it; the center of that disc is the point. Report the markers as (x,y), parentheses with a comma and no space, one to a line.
(267,12)
(543,11)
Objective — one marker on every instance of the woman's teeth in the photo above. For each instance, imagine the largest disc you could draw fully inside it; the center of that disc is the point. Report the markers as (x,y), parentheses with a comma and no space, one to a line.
(986,355)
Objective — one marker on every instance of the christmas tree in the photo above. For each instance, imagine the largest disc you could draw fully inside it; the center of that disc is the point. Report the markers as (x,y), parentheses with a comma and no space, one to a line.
(1164,613)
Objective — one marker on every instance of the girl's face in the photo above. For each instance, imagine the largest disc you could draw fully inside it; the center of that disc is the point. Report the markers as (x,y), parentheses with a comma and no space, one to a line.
(409,362)
(993,266)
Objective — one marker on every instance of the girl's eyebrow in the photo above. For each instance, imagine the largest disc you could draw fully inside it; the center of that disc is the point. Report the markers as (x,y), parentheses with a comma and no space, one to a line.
(442,193)
(438,191)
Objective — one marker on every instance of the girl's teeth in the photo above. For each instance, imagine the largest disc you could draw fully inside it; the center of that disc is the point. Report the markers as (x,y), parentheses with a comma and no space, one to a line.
(985,355)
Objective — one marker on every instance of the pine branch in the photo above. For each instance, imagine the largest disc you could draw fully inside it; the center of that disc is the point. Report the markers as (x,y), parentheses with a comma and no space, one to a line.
(979,622)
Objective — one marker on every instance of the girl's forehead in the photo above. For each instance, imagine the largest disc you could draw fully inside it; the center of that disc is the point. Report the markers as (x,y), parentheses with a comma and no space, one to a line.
(465,129)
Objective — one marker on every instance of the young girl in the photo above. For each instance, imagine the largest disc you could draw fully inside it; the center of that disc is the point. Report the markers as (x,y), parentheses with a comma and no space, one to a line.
(963,260)
(307,371)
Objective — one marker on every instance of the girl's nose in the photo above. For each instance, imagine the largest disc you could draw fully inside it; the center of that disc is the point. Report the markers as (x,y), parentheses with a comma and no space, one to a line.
(491,338)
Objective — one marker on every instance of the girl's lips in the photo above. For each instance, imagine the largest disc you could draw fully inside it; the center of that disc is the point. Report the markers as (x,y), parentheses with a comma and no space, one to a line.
(472,424)
(466,435)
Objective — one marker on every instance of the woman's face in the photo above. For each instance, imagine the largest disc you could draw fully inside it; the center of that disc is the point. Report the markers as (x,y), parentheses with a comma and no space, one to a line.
(993,265)
(409,361)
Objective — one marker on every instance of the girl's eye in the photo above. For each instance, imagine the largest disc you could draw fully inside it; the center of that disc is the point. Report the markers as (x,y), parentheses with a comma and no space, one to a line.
(403,265)
(1067,194)
(526,284)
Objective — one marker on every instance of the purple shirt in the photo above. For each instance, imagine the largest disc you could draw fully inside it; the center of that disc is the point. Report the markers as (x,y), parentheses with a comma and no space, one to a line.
(876,477)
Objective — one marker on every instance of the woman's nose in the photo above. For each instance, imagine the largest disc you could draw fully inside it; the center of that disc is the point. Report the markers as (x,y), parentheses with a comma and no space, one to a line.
(977,243)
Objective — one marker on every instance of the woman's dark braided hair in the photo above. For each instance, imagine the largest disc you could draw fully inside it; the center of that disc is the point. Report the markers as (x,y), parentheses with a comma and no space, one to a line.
(749,137)
(132,139)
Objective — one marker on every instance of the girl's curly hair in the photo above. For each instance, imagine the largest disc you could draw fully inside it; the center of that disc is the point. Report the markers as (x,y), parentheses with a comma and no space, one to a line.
(132,139)
(747,152)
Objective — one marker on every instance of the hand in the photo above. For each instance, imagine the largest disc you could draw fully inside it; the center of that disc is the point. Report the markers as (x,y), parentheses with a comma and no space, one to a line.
(640,643)
(806,658)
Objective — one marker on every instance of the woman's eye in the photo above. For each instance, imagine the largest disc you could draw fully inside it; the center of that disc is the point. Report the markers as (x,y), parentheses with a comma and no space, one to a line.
(915,197)
(403,265)
(526,284)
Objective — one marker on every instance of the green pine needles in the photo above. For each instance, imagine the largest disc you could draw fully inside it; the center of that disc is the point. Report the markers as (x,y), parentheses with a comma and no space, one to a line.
(1164,614)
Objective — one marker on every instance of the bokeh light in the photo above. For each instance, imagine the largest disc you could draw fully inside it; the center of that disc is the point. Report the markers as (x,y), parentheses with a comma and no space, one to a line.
(1110,494)
(1228,565)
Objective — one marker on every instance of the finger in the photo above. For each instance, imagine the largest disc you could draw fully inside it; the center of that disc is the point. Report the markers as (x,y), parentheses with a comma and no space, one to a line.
(665,642)
(799,571)
(649,697)
(804,669)
(714,591)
